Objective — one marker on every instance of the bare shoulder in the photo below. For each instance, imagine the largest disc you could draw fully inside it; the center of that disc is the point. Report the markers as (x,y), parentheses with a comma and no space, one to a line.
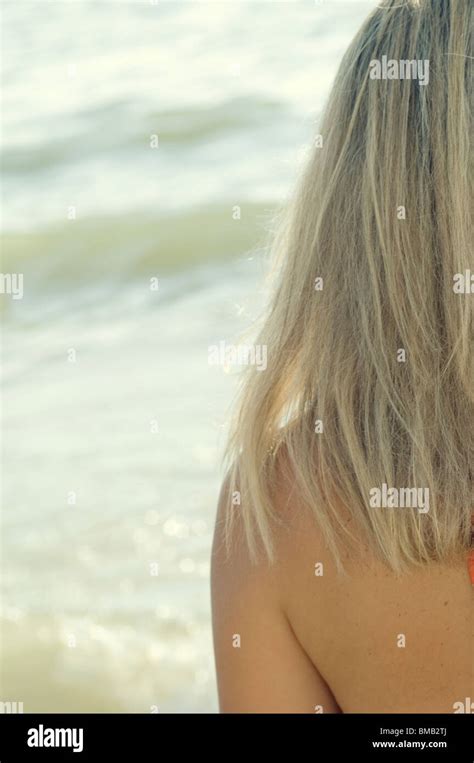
(299,635)
(295,536)
(235,575)
(261,665)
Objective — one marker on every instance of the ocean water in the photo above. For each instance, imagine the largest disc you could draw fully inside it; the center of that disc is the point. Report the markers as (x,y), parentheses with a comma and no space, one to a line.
(112,418)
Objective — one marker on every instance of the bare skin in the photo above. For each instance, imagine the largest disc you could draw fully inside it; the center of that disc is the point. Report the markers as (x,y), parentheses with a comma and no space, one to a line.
(313,643)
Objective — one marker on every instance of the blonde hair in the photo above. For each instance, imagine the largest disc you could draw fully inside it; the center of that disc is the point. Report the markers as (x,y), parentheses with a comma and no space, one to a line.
(382,216)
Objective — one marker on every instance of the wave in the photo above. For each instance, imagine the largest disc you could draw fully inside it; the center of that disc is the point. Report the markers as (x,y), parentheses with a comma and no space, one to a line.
(119,126)
(76,664)
(133,245)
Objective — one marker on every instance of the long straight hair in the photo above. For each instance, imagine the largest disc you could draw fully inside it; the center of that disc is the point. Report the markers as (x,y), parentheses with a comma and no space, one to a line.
(369,378)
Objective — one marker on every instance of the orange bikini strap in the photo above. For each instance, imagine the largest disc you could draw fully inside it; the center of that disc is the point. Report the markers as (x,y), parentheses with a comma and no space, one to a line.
(470,560)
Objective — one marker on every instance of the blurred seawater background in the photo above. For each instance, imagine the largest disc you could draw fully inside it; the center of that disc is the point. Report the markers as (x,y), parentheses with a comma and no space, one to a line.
(112,418)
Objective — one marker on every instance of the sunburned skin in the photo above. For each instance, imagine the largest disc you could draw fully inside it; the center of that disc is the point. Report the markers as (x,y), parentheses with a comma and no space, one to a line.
(300,637)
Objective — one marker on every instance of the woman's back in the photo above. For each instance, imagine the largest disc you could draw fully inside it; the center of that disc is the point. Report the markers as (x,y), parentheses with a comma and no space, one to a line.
(383,643)
(365,640)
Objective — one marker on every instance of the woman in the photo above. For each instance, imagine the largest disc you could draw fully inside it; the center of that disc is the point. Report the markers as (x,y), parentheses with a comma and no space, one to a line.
(340,580)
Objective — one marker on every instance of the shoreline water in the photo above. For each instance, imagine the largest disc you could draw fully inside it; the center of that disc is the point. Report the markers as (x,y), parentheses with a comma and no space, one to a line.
(113,419)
